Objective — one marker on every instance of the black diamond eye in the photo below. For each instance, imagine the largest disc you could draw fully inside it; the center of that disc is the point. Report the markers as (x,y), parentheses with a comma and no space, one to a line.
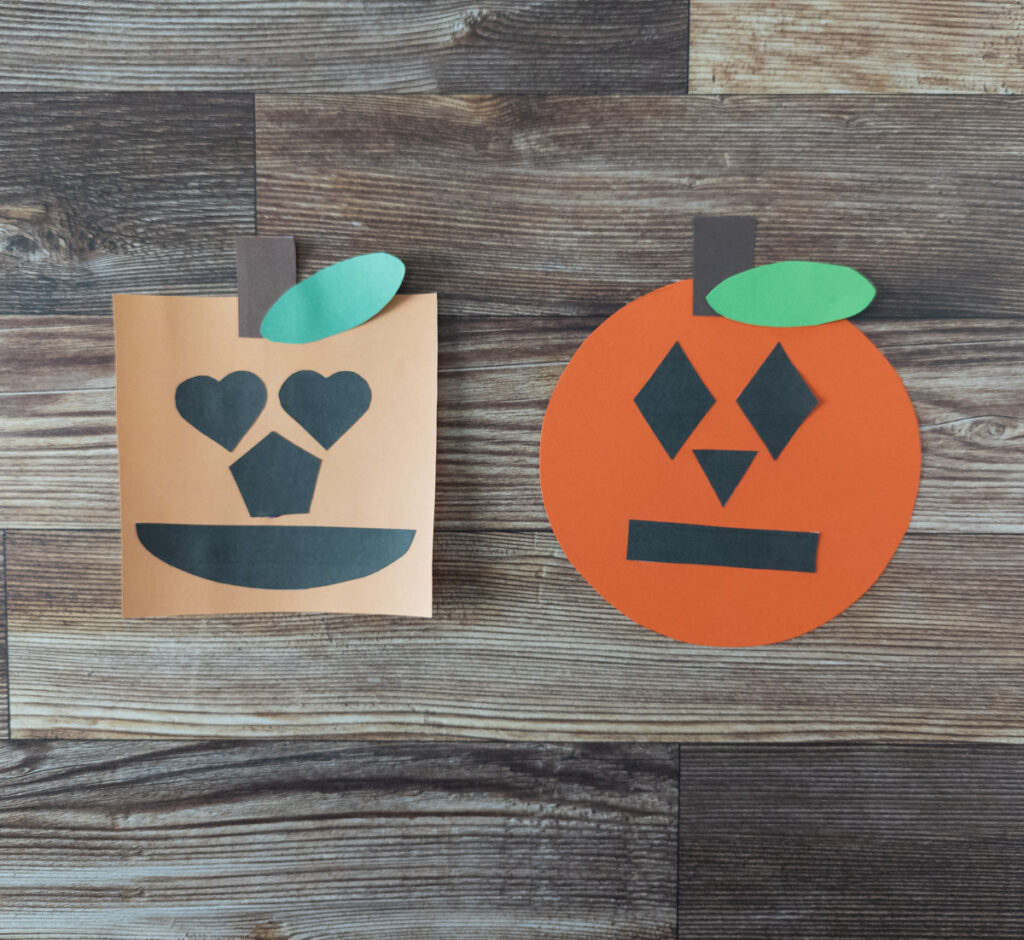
(674,400)
(777,401)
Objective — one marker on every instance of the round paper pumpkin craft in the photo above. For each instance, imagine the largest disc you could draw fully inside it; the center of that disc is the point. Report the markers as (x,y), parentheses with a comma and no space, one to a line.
(738,479)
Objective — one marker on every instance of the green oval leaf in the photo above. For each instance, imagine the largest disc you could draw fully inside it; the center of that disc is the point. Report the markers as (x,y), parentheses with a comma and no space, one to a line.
(792,293)
(335,299)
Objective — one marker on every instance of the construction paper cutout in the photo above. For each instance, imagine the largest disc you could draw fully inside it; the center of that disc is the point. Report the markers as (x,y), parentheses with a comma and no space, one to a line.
(266,269)
(679,543)
(335,299)
(275,557)
(225,410)
(674,400)
(276,478)
(724,469)
(850,473)
(792,293)
(379,476)
(325,407)
(722,246)
(777,401)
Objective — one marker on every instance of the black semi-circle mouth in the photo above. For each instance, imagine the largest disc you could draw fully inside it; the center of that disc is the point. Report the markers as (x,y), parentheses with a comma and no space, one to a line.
(278,557)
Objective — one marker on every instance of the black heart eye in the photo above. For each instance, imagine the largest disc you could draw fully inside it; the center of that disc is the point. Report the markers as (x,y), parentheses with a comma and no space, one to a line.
(325,406)
(674,400)
(777,401)
(225,410)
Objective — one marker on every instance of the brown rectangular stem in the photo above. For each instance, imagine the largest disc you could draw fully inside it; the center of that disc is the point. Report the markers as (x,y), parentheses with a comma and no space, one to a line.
(266,269)
(723,245)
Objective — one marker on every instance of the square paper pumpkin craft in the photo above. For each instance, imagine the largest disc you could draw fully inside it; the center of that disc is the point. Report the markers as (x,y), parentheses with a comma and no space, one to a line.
(292,470)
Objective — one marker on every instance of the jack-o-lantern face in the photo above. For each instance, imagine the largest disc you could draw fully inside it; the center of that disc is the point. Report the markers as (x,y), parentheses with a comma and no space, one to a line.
(723,483)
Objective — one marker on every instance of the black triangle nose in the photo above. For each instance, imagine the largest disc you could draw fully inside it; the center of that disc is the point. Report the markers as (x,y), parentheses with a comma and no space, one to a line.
(724,469)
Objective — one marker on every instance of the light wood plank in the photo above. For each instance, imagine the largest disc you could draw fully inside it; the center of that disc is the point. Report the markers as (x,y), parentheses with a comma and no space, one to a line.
(51,353)
(565,202)
(108,193)
(510,46)
(126,840)
(520,648)
(860,842)
(813,46)
(58,459)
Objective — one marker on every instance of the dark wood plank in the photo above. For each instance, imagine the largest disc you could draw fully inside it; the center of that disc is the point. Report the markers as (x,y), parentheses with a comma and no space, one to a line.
(519,647)
(125,840)
(58,462)
(344,46)
(108,193)
(558,203)
(792,46)
(858,842)
(5,725)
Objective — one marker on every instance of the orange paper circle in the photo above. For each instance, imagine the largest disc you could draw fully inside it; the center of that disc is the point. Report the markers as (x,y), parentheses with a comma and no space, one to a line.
(850,472)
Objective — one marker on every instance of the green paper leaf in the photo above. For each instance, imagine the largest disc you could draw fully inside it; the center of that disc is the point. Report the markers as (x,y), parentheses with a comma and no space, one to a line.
(335,299)
(792,293)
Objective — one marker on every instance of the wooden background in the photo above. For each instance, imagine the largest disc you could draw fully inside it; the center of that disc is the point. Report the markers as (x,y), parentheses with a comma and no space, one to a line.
(538,164)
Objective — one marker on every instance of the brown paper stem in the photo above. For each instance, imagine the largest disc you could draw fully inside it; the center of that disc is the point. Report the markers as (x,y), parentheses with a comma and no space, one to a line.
(723,245)
(266,269)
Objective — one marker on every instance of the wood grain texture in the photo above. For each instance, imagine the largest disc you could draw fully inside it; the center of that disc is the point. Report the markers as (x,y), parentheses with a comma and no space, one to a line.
(58,449)
(520,647)
(857,842)
(284,840)
(345,46)
(120,193)
(813,46)
(561,202)
(5,727)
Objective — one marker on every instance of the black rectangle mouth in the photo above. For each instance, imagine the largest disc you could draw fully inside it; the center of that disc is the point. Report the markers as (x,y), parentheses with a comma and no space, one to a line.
(680,543)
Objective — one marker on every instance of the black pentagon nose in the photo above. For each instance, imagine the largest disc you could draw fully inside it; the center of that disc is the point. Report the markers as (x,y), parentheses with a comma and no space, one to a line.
(724,469)
(777,401)
(276,478)
(674,400)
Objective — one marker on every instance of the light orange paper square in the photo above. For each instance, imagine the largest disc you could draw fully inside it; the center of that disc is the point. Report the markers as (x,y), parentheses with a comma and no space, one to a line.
(380,473)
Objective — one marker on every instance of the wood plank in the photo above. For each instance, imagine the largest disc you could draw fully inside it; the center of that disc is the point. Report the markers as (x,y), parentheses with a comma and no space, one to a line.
(317,840)
(108,193)
(510,46)
(58,459)
(5,725)
(519,648)
(813,46)
(49,353)
(558,203)
(859,842)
